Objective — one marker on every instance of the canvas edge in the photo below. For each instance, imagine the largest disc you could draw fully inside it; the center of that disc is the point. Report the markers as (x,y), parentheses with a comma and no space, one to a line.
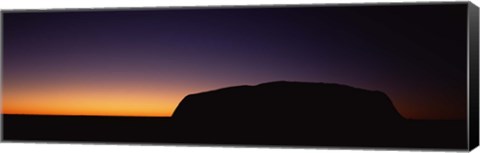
(233,6)
(1,75)
(473,80)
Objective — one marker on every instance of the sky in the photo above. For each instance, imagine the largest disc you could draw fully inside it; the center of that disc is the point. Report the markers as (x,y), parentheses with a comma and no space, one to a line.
(143,62)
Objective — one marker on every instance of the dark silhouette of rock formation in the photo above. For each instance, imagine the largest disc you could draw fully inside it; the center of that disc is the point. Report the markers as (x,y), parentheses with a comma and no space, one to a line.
(277,101)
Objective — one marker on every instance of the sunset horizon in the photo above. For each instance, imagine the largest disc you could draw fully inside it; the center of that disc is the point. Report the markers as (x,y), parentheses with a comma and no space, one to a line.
(124,108)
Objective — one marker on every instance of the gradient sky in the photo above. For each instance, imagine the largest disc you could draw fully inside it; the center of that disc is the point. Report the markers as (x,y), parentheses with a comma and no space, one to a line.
(143,62)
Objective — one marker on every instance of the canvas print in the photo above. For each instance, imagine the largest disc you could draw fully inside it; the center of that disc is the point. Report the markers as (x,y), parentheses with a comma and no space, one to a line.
(380,75)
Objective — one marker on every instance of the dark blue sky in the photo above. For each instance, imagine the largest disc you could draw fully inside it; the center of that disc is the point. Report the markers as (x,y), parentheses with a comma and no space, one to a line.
(415,54)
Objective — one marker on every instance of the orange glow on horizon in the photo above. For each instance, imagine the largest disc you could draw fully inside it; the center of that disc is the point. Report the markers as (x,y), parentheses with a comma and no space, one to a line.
(142,98)
(91,99)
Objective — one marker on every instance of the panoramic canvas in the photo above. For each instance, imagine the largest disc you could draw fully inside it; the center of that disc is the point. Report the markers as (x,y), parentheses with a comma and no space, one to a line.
(382,75)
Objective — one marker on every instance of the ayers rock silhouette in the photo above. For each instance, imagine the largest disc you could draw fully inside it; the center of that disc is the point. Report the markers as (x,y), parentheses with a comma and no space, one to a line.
(277,101)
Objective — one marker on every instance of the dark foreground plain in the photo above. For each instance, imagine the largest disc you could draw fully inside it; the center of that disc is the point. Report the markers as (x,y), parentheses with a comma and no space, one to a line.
(278,113)
(411,134)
